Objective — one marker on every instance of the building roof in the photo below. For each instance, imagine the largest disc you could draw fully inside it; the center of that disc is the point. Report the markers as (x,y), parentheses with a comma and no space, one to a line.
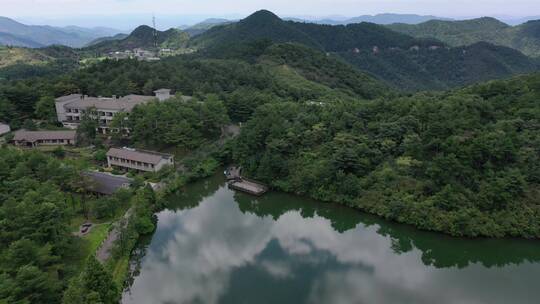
(104,183)
(126,103)
(162,91)
(32,136)
(68,98)
(139,155)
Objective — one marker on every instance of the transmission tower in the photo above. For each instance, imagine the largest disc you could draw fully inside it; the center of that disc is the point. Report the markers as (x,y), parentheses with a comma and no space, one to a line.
(155,31)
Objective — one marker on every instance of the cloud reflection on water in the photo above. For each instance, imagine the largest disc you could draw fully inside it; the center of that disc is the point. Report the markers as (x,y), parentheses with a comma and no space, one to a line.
(197,254)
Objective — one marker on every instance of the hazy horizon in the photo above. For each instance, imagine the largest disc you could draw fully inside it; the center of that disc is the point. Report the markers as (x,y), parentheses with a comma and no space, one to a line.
(126,14)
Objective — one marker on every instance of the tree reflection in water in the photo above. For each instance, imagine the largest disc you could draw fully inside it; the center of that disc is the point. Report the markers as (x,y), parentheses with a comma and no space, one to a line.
(217,246)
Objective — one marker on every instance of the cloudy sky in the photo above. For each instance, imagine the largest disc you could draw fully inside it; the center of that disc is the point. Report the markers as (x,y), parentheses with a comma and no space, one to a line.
(41,10)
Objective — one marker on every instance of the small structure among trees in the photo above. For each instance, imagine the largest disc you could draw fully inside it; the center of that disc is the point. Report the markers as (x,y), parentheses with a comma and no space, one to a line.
(141,160)
(44,138)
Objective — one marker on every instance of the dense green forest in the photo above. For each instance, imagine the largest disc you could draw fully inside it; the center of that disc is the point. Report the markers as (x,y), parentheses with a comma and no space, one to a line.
(176,123)
(263,74)
(37,252)
(45,197)
(400,60)
(524,37)
(463,162)
(141,37)
(42,197)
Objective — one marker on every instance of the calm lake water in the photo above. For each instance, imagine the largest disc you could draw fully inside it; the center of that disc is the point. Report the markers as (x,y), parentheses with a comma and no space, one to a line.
(217,246)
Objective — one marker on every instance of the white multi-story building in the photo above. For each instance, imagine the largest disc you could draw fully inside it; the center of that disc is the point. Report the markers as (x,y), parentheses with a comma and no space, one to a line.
(71,109)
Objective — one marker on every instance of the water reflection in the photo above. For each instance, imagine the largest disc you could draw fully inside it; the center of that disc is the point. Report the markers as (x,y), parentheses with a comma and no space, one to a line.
(217,246)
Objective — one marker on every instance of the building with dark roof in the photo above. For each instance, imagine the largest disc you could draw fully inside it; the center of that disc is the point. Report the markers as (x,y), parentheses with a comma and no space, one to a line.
(44,138)
(141,160)
(104,183)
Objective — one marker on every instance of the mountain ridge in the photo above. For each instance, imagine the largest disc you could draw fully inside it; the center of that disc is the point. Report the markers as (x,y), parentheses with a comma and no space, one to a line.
(140,37)
(401,60)
(524,37)
(383,18)
(43,35)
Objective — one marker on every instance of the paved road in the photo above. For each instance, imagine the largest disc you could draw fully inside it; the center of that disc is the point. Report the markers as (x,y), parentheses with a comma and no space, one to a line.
(105,250)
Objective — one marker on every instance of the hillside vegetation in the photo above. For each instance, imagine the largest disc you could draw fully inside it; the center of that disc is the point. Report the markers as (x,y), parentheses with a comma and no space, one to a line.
(141,37)
(524,37)
(270,74)
(21,63)
(10,56)
(464,162)
(398,59)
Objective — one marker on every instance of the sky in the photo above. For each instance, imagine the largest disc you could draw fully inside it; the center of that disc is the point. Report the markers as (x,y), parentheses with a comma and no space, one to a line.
(81,12)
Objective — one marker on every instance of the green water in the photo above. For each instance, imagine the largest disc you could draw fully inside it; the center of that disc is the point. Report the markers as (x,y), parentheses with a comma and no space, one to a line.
(217,246)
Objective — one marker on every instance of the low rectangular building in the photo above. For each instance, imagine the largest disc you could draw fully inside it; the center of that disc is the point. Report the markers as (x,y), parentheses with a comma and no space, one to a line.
(141,160)
(34,139)
(104,183)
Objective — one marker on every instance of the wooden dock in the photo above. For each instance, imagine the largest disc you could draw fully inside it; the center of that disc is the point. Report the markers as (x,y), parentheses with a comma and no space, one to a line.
(237,182)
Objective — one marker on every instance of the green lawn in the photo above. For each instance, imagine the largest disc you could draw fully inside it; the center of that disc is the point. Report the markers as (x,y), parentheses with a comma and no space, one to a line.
(119,270)
(96,236)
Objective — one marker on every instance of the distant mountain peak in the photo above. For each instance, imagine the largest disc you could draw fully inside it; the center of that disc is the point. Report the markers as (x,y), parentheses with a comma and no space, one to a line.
(262,16)
(142,31)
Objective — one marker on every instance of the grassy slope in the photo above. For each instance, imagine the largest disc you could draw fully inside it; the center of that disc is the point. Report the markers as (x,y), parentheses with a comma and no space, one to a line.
(13,55)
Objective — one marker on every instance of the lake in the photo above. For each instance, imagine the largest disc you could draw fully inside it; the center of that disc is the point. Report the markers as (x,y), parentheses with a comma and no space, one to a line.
(214,245)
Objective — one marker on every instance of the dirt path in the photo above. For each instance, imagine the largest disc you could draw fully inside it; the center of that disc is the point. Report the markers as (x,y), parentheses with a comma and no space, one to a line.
(105,250)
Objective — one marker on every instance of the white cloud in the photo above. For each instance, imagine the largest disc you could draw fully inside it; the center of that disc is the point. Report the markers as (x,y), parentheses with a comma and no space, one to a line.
(196,252)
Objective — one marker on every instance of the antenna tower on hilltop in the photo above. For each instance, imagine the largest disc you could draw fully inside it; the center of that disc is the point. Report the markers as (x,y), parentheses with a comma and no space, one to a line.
(155,31)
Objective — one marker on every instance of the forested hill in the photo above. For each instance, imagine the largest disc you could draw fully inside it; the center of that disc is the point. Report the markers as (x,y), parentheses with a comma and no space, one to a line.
(141,37)
(281,72)
(464,162)
(266,25)
(259,26)
(524,37)
(398,59)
